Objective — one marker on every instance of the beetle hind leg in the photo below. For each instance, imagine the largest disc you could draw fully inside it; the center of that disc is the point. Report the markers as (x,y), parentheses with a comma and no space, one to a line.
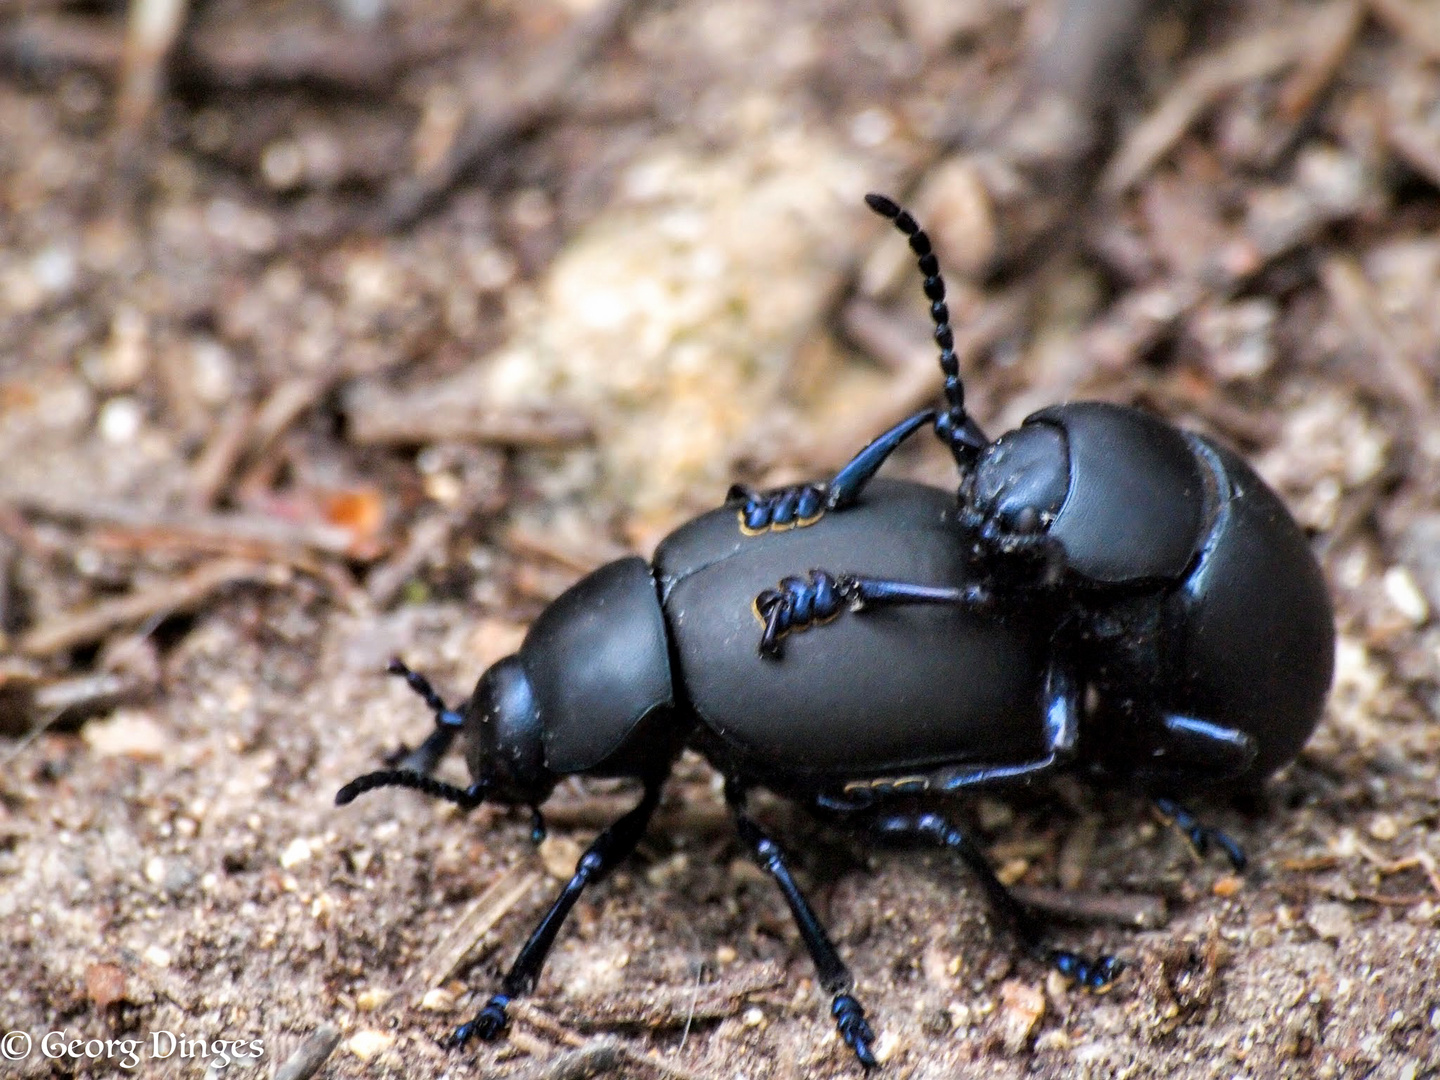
(835,977)
(930,828)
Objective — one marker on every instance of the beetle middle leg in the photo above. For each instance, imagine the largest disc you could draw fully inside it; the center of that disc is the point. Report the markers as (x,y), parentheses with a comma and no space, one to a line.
(835,977)
(931,828)
(606,852)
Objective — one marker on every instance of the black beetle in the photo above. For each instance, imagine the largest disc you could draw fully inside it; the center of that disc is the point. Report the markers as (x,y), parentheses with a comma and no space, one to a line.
(1108,595)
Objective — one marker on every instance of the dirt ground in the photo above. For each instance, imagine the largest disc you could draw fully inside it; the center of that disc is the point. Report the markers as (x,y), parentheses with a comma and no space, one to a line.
(333,331)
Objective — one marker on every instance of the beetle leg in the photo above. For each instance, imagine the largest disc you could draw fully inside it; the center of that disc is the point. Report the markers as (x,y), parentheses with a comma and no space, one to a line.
(804,504)
(607,851)
(926,827)
(797,604)
(835,977)
(1202,836)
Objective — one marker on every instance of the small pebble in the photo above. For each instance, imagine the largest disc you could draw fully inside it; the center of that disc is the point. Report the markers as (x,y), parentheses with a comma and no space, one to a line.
(104,985)
(296,852)
(1384,827)
(369,1044)
(126,733)
(1021,1009)
(1405,595)
(1330,920)
(119,420)
(559,855)
(1227,886)
(157,956)
(753,1017)
(438,999)
(371,999)
(887,1045)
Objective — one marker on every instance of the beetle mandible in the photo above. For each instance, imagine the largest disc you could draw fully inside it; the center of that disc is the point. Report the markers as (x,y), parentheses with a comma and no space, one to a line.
(1107,595)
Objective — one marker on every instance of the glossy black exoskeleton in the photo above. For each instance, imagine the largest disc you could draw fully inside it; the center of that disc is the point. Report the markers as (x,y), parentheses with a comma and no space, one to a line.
(1107,595)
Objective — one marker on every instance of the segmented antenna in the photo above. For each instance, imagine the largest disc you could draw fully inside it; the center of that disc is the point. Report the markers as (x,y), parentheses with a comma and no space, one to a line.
(954,425)
(468,798)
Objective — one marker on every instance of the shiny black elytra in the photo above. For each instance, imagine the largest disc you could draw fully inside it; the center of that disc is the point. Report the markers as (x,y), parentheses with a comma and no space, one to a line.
(1108,596)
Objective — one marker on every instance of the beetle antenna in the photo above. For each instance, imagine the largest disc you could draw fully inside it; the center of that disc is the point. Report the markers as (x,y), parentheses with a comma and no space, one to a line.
(465,798)
(445,717)
(954,426)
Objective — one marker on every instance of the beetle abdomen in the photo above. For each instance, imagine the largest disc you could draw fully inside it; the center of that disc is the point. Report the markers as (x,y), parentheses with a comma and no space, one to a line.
(886,690)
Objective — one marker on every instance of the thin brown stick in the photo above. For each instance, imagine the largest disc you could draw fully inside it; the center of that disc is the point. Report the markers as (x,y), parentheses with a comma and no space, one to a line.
(542,90)
(488,909)
(312,1054)
(454,411)
(1417,24)
(1253,56)
(1338,28)
(223,450)
(151,32)
(1135,910)
(245,534)
(537,1018)
(1403,376)
(530,542)
(66,631)
(599,1056)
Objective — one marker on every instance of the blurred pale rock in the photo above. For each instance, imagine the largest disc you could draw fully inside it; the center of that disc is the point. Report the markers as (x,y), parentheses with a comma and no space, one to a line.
(672,318)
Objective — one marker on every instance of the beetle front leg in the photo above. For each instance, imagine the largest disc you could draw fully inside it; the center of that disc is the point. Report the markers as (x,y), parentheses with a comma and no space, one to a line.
(930,828)
(835,977)
(804,504)
(606,852)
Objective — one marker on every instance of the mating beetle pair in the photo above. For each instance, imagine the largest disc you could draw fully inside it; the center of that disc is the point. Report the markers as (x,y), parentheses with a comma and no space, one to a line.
(1107,595)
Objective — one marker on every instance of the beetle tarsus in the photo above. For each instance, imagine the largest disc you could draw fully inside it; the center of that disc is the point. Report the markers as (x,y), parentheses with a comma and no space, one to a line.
(835,977)
(1096,974)
(489,1022)
(1201,836)
(854,1028)
(798,604)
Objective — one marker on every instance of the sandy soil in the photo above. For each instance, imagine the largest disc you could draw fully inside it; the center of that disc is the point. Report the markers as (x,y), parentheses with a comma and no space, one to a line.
(376,325)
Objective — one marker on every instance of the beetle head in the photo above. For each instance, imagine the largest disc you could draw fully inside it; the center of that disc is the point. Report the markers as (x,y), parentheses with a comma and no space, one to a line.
(1022,478)
(504,737)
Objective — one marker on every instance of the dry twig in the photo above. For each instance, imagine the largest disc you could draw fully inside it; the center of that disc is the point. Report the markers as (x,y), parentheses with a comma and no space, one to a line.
(68,630)
(312,1054)
(1253,56)
(488,909)
(1418,24)
(544,87)
(1135,910)
(453,410)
